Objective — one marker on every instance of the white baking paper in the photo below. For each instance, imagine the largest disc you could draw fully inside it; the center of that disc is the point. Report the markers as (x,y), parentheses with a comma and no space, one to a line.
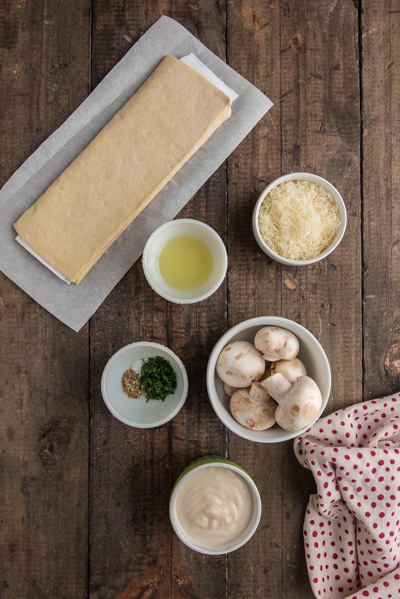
(75,304)
(201,68)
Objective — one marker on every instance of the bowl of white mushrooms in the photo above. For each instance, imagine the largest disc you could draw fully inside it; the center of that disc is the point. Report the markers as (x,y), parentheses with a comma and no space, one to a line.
(268,379)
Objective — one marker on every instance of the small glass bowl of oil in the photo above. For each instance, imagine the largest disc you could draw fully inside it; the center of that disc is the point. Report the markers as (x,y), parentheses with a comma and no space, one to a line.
(185,261)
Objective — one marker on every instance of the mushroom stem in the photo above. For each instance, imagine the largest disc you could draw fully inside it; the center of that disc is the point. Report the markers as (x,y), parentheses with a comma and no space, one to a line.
(277,386)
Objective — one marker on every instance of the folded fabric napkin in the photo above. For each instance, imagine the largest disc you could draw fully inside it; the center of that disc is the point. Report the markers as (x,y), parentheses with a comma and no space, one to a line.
(352,523)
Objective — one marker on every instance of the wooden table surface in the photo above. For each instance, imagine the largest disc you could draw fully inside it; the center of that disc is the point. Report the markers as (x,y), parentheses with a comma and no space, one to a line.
(84,498)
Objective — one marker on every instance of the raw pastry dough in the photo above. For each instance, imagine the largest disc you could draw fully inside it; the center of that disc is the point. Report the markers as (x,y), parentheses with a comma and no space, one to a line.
(100,193)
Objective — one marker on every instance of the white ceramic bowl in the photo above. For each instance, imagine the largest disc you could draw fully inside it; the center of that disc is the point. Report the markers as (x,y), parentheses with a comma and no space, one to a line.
(305,177)
(310,353)
(174,228)
(137,412)
(178,523)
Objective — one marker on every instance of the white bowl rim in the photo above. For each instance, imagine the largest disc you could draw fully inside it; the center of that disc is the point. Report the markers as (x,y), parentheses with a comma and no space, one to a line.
(226,418)
(155,346)
(223,255)
(215,461)
(306,177)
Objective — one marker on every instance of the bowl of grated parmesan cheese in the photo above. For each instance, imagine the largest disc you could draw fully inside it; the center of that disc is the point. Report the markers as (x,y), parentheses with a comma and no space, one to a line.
(299,219)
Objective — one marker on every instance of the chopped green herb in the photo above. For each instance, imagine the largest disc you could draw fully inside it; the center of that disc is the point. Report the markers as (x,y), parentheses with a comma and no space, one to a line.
(157,378)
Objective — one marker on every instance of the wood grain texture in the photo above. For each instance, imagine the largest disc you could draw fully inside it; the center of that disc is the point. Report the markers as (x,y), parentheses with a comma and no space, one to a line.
(85,498)
(43,368)
(381,188)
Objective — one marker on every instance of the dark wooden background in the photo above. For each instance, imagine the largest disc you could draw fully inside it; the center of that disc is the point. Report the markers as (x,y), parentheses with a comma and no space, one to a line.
(83,498)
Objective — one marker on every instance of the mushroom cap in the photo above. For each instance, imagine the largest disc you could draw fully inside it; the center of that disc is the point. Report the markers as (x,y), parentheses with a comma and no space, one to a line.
(239,364)
(300,406)
(291,369)
(276,343)
(252,413)
(258,392)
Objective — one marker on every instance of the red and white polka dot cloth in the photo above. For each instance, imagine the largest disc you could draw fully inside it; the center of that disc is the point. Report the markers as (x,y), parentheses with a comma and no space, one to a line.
(352,523)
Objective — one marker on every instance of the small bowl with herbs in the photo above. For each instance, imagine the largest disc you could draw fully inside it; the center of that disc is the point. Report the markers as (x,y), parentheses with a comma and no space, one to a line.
(144,384)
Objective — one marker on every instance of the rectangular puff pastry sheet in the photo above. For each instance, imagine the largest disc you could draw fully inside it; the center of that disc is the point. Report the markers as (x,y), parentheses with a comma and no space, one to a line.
(102,191)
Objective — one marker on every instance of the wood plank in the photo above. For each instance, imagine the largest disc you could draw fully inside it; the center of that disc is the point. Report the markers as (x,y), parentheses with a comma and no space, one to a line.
(300,56)
(381,187)
(134,551)
(43,371)
(306,57)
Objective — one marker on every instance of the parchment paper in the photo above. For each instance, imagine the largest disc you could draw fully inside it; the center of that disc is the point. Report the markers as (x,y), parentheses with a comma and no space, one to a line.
(75,304)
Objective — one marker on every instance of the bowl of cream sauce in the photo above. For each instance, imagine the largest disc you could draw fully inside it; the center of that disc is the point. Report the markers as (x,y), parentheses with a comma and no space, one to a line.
(215,506)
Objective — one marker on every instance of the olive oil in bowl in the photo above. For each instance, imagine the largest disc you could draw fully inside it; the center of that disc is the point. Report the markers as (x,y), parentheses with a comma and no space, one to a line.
(185,262)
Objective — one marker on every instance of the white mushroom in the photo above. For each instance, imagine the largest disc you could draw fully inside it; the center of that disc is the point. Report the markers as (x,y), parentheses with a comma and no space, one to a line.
(258,392)
(276,343)
(239,364)
(300,406)
(277,386)
(291,369)
(229,390)
(253,408)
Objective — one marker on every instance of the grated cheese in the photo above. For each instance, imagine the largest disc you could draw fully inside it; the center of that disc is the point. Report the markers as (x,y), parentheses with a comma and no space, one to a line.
(298,219)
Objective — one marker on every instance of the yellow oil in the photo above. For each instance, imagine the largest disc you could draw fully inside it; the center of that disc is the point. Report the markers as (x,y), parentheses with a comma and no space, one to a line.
(185,262)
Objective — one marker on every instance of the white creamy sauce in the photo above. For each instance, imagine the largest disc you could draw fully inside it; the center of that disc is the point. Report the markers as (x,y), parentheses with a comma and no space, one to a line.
(214,505)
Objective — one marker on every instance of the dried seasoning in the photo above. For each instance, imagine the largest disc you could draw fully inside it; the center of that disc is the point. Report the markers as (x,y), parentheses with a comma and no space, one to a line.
(131,384)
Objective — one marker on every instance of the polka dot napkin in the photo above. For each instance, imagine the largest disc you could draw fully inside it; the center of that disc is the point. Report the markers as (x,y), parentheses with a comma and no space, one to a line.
(352,523)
